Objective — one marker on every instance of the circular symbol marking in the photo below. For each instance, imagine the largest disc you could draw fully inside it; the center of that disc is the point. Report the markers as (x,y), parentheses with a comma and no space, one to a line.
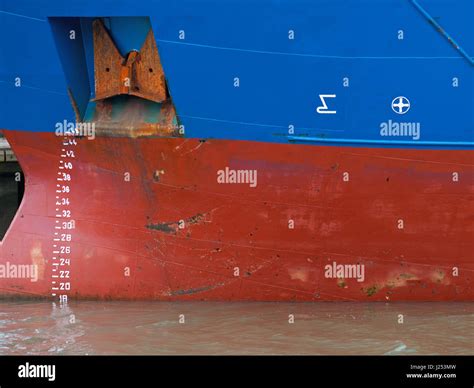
(401,105)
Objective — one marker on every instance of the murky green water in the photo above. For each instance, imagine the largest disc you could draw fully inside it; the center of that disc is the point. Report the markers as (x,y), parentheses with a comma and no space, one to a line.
(236,328)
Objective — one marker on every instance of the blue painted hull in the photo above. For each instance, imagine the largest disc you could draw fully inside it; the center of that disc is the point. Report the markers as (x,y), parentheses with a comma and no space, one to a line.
(285,54)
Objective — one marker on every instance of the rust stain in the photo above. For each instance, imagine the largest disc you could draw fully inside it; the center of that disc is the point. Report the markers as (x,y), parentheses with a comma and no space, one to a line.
(341,283)
(163,227)
(440,277)
(75,107)
(139,73)
(173,227)
(372,290)
(133,120)
(299,274)
(195,219)
(37,259)
(402,279)
(157,174)
(192,291)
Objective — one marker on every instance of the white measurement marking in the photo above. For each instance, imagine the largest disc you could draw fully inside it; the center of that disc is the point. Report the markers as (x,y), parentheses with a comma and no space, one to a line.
(63,210)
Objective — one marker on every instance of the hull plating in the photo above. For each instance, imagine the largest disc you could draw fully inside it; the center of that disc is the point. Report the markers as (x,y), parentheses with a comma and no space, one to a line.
(153,221)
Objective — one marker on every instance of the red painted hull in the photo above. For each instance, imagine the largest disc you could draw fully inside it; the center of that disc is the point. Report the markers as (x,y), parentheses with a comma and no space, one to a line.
(128,244)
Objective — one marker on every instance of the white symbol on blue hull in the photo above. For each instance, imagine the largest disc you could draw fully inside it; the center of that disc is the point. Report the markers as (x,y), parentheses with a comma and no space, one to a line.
(401,105)
(323,109)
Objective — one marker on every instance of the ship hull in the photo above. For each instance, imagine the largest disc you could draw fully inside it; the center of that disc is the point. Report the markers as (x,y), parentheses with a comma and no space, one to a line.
(162,219)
